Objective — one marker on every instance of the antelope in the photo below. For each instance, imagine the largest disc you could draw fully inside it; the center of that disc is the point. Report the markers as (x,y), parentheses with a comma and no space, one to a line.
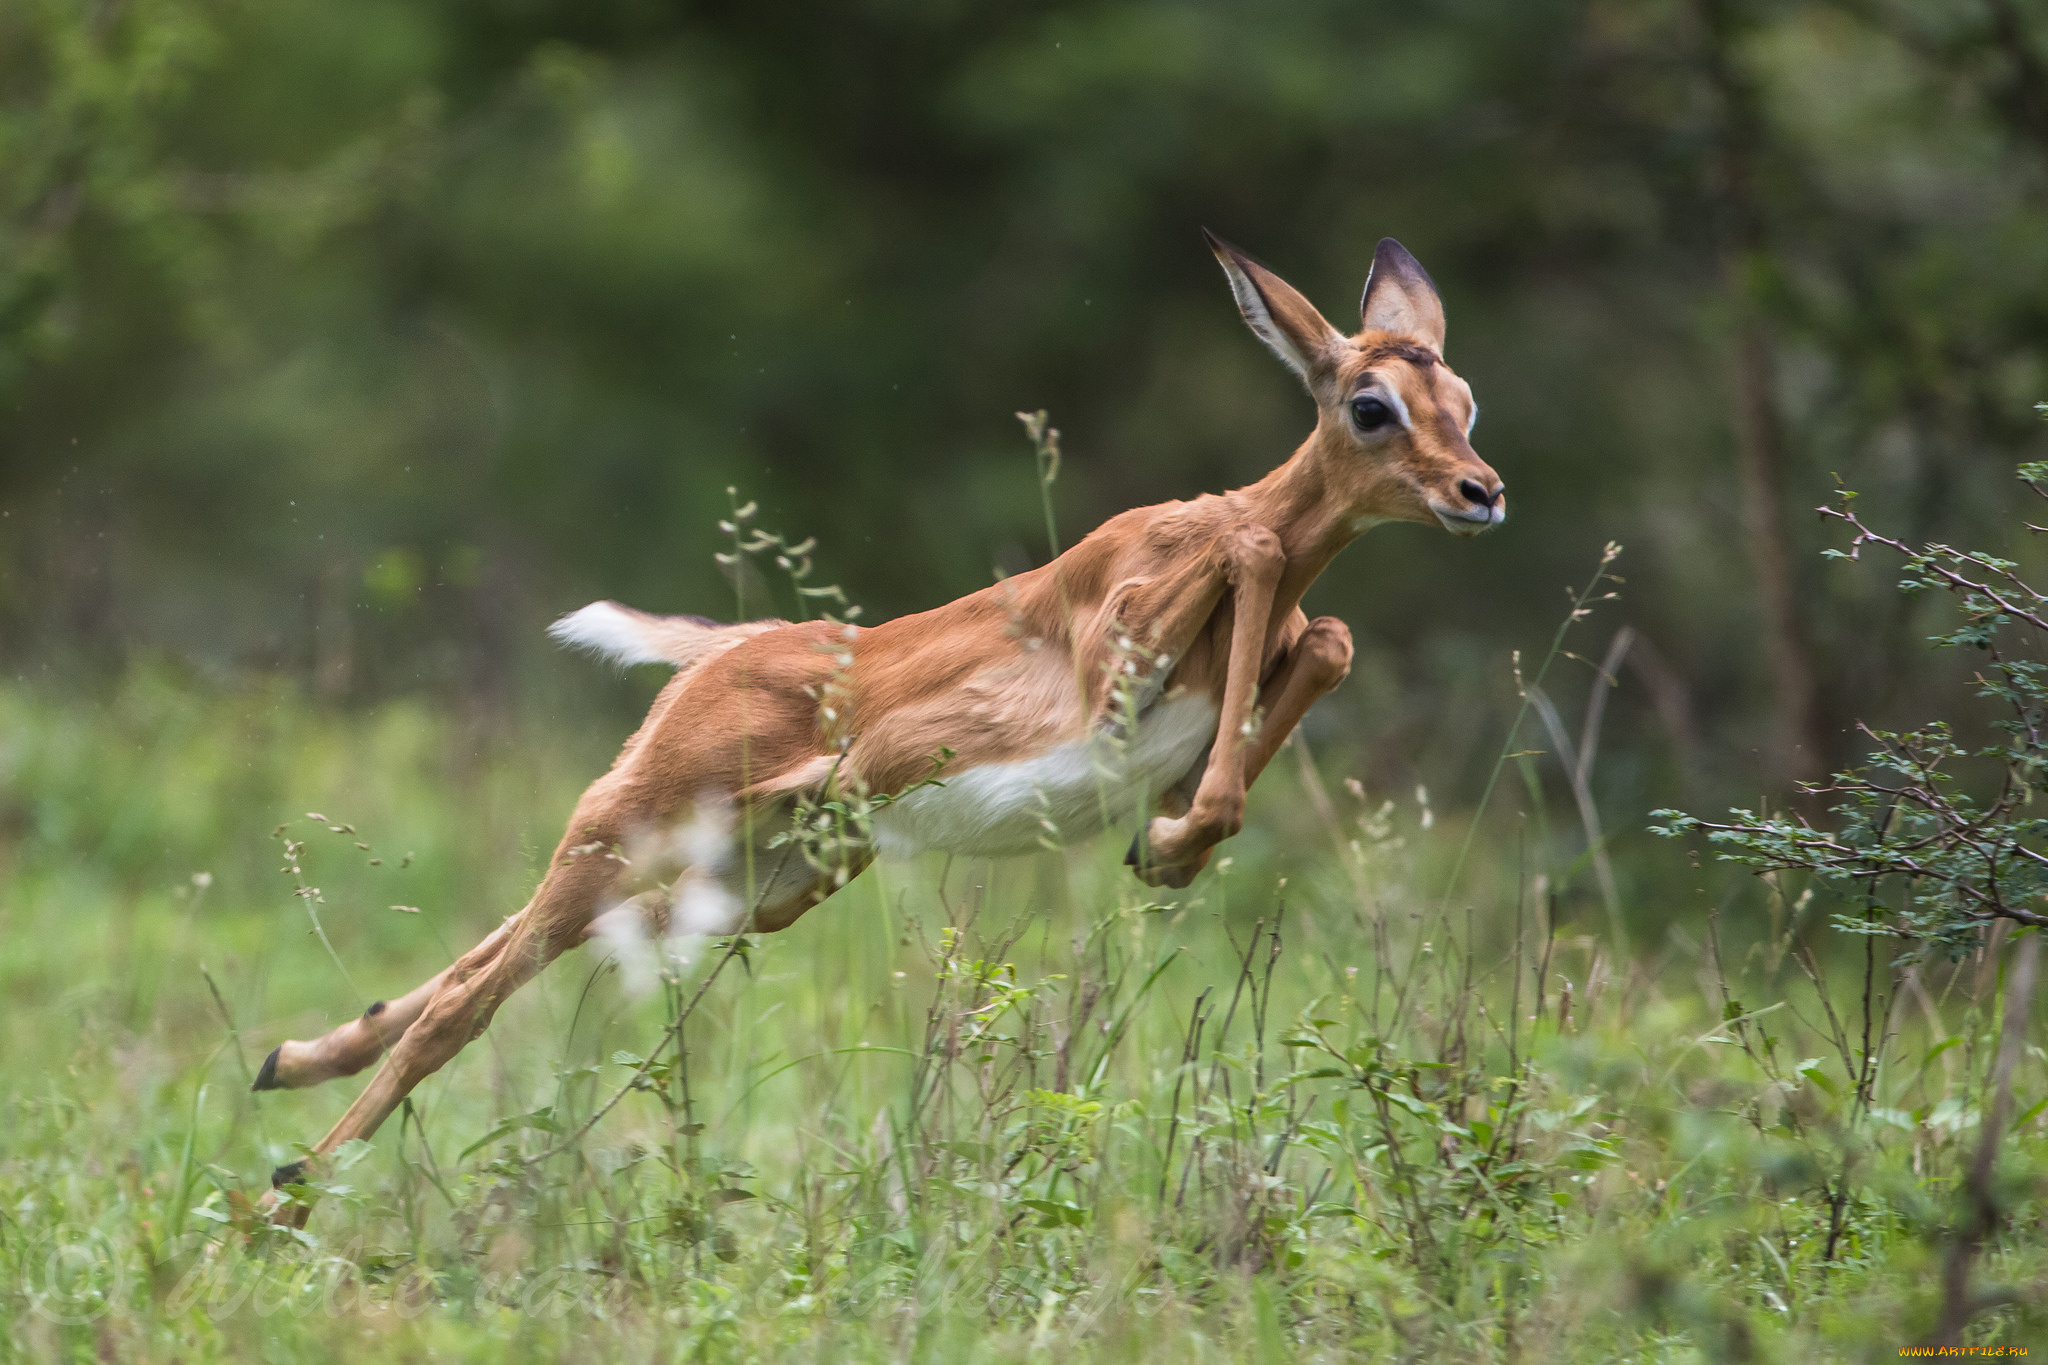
(1154,668)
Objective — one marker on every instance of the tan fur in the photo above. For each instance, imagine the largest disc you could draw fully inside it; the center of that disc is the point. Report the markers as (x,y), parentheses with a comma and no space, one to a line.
(1212,585)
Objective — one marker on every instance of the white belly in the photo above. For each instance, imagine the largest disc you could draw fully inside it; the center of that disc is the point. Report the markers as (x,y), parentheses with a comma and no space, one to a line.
(1060,797)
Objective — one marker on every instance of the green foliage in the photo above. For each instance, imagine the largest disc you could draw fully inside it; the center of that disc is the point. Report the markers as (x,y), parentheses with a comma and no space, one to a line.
(356,350)
(1927,849)
(970,1112)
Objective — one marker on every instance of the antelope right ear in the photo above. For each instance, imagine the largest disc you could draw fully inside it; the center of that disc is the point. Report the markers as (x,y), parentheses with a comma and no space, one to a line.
(1400,298)
(1288,323)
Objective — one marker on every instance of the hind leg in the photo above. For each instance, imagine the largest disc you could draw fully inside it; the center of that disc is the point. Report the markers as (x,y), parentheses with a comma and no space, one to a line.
(784,890)
(462,1008)
(346,1050)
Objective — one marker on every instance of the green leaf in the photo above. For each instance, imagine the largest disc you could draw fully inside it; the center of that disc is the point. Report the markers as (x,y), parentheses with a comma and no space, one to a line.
(1414,1106)
(1585,1156)
(542,1119)
(1941,1047)
(348,1154)
(1811,1070)
(1055,1214)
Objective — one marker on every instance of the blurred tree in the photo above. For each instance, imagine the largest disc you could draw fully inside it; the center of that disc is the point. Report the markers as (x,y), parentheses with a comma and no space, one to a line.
(95,247)
(1739,146)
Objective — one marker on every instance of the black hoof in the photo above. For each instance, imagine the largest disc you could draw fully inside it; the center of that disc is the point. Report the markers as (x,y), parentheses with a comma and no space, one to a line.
(266,1079)
(287,1175)
(1136,856)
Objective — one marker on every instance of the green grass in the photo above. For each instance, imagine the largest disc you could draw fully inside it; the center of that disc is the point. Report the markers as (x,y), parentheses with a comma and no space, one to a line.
(1307,1110)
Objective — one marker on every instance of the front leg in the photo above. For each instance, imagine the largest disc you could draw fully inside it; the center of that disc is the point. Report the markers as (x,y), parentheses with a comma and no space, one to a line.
(1178,845)
(1318,660)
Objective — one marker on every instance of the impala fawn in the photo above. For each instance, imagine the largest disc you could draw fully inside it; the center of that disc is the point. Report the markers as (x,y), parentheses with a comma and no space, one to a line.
(1154,667)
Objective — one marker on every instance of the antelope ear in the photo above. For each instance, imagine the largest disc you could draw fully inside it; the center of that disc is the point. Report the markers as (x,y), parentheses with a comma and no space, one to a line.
(1399,297)
(1282,318)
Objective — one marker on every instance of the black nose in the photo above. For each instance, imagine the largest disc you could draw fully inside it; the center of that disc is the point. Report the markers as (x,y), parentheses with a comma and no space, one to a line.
(1475,494)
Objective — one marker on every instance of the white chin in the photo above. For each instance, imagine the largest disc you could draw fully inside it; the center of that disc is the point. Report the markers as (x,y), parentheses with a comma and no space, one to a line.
(1459,525)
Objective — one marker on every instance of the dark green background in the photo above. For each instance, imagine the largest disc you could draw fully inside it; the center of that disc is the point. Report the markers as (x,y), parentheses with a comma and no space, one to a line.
(357,341)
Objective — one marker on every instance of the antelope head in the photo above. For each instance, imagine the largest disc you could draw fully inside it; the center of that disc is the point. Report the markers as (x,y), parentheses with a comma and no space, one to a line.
(1393,422)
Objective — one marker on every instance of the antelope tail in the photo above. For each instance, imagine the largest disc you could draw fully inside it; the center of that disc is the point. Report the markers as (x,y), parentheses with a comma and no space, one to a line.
(626,636)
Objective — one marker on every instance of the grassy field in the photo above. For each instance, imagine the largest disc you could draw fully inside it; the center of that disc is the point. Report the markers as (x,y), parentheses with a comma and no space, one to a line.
(1311,1109)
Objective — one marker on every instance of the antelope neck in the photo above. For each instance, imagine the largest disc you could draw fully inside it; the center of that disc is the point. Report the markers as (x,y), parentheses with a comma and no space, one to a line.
(1295,503)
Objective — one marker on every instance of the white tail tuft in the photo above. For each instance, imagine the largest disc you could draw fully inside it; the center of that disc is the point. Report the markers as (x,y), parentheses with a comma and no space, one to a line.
(626,636)
(609,631)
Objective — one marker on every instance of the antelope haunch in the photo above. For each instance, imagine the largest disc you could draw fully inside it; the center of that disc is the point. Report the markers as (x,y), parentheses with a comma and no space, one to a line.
(1156,666)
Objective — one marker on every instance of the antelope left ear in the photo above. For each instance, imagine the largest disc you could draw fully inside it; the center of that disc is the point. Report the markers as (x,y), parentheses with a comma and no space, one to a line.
(1399,297)
(1288,323)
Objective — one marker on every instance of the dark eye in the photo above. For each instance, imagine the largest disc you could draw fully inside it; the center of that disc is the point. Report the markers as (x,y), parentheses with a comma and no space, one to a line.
(1370,413)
